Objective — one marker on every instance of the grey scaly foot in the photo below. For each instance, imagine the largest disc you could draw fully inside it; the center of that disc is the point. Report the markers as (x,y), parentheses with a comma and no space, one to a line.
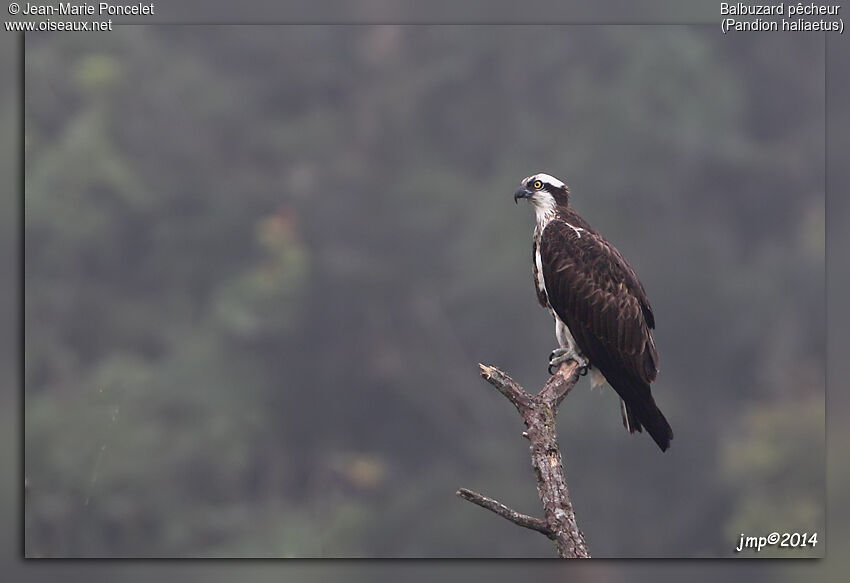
(561,355)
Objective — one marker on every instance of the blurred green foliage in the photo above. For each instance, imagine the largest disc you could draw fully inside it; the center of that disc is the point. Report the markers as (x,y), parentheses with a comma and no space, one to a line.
(263,262)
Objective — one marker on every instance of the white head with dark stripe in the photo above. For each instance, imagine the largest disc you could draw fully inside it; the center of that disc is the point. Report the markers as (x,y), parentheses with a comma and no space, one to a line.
(545,192)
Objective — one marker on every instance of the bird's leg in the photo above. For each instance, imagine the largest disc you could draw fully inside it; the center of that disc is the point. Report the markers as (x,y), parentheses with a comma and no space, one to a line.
(561,355)
(567,350)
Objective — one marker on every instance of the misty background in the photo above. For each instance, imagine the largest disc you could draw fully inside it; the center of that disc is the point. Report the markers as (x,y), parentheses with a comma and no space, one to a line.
(262,264)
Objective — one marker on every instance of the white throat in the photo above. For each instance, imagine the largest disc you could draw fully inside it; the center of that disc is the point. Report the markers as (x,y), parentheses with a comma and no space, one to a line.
(544,207)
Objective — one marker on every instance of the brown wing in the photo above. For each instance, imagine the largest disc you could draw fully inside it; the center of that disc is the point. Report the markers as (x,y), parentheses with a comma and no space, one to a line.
(598,296)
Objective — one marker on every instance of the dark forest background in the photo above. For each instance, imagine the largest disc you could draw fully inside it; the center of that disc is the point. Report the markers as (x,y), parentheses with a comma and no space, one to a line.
(262,264)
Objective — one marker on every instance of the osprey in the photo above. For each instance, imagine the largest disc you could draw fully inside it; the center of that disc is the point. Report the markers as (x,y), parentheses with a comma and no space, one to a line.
(603,319)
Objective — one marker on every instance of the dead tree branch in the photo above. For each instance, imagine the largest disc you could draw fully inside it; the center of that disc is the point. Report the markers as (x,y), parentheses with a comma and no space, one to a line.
(539,412)
(517,518)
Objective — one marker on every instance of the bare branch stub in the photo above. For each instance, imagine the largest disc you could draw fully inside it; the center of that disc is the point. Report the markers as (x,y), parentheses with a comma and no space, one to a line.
(539,412)
(507,386)
(516,517)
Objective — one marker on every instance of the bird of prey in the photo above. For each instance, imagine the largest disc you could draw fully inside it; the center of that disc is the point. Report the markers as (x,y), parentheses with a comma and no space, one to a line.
(603,319)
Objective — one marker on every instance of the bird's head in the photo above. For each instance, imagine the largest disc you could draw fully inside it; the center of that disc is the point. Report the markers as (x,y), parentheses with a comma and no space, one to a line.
(543,191)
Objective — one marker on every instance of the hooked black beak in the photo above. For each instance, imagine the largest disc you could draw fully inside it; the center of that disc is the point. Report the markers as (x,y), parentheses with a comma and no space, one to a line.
(522,192)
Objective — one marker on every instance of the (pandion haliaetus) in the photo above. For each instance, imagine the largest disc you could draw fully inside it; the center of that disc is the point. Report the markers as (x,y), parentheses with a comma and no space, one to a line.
(603,319)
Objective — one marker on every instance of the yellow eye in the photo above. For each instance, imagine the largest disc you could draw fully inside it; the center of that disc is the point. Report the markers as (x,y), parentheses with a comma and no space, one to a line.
(537,185)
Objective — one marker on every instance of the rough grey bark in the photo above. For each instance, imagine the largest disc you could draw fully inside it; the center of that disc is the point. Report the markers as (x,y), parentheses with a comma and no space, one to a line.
(539,412)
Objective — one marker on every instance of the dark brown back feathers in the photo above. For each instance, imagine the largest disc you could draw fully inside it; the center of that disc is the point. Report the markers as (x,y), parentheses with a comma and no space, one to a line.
(599,297)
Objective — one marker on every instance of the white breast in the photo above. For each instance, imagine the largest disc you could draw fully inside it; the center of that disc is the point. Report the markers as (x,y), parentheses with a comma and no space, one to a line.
(541,284)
